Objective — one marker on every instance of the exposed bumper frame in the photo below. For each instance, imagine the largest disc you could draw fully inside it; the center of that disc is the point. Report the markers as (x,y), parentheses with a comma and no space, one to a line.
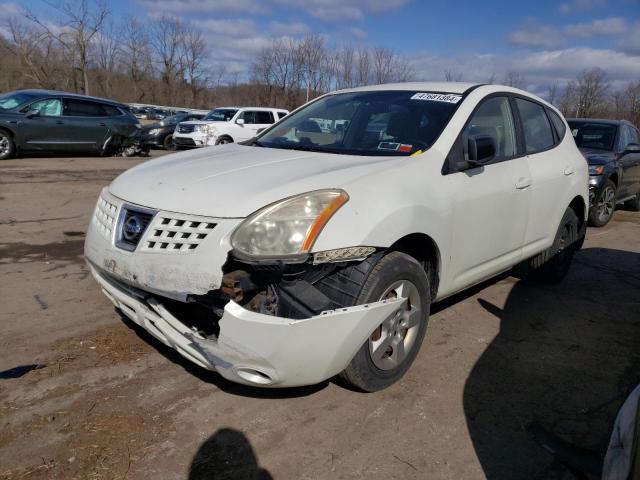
(254,348)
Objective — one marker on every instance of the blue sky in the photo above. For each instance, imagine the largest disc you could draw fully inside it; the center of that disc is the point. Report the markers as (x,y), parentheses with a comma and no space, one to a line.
(544,41)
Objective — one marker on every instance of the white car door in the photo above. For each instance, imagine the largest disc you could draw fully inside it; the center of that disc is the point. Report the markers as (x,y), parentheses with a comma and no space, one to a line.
(549,170)
(490,203)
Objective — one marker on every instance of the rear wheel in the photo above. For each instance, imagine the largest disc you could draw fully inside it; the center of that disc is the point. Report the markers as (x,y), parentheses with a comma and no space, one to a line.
(604,206)
(7,145)
(552,265)
(393,346)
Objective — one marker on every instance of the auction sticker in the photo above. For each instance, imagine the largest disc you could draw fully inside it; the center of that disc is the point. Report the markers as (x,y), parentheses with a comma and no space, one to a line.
(437,97)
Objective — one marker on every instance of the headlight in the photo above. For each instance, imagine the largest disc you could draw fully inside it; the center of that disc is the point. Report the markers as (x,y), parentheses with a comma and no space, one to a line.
(596,169)
(154,131)
(200,128)
(288,227)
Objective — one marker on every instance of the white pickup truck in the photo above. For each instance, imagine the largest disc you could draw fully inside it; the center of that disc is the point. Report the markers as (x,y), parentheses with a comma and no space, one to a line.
(318,248)
(226,125)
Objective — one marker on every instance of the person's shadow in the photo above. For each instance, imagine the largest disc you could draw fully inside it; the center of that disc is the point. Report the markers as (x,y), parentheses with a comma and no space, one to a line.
(563,362)
(226,455)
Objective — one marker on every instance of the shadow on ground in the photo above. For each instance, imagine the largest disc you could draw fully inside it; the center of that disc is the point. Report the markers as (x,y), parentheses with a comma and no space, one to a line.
(226,455)
(565,359)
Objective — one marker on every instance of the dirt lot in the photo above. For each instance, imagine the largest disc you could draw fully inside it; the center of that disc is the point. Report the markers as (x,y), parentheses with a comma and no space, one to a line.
(109,402)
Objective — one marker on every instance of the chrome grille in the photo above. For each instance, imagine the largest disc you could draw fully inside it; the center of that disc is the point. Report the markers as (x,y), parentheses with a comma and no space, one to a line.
(132,224)
(104,217)
(177,234)
(185,128)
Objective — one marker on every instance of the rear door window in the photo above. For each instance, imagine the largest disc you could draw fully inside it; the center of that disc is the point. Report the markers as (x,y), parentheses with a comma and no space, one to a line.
(263,118)
(537,130)
(83,108)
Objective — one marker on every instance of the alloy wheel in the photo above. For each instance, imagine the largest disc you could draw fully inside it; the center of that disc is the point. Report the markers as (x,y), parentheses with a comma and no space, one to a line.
(391,342)
(606,204)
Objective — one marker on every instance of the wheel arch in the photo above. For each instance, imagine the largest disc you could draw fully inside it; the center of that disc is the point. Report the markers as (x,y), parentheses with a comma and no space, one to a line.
(614,178)
(579,207)
(225,135)
(425,250)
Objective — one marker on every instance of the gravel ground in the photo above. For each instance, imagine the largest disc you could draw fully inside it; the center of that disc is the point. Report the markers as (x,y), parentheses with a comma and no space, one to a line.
(110,402)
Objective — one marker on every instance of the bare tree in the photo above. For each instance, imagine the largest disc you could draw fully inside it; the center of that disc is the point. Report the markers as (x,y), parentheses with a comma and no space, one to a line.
(79,24)
(591,89)
(167,40)
(107,56)
(195,53)
(514,79)
(452,76)
(552,93)
(312,59)
(136,58)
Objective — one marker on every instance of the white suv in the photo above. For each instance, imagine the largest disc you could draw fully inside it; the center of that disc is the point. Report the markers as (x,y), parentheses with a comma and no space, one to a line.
(318,248)
(226,125)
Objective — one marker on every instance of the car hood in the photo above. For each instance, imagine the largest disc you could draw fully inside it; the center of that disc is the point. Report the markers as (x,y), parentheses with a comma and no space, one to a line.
(234,180)
(597,157)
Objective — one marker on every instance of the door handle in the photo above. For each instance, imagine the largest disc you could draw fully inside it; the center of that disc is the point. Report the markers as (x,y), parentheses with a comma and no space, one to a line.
(523,183)
(569,170)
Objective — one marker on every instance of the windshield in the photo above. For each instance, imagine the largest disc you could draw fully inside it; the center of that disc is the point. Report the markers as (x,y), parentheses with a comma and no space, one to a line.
(220,115)
(12,100)
(173,119)
(366,123)
(593,135)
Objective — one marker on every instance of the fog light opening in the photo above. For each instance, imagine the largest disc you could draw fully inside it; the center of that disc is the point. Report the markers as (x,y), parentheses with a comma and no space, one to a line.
(254,376)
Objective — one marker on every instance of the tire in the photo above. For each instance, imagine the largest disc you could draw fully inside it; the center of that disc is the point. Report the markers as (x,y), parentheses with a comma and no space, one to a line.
(633,204)
(379,363)
(168,144)
(603,206)
(552,265)
(224,140)
(7,145)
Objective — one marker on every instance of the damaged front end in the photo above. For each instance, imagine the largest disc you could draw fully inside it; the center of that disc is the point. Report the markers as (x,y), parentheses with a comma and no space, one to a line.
(276,326)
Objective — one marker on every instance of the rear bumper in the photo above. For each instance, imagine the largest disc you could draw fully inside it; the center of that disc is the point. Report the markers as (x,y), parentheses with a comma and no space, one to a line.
(253,348)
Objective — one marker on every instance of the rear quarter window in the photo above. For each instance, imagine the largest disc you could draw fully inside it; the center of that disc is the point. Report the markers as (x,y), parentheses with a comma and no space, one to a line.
(558,124)
(535,124)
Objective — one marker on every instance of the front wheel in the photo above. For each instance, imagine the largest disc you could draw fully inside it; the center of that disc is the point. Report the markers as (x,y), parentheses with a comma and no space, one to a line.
(168,143)
(223,141)
(633,204)
(604,206)
(393,346)
(7,146)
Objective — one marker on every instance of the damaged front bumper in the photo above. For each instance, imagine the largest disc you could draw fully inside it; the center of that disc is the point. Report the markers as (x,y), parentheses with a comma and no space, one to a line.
(254,348)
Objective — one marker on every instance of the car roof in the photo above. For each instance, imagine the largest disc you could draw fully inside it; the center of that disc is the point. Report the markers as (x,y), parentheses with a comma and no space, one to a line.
(268,109)
(44,93)
(606,121)
(439,87)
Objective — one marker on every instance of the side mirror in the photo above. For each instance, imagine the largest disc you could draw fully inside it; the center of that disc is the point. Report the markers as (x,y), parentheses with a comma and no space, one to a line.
(32,113)
(632,148)
(482,149)
(240,121)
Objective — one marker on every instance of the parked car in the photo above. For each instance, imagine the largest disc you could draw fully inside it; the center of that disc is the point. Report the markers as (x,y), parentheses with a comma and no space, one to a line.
(45,120)
(612,148)
(226,125)
(140,113)
(161,134)
(308,253)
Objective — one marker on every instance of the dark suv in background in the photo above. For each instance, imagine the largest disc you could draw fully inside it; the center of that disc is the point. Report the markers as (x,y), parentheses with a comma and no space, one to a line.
(161,134)
(44,120)
(612,148)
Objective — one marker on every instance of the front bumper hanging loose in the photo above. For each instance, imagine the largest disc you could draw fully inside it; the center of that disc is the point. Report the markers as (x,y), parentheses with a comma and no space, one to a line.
(254,348)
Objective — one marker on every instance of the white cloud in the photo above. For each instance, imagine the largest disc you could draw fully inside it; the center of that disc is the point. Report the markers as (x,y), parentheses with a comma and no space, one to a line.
(630,43)
(9,10)
(239,28)
(358,33)
(611,26)
(535,35)
(539,69)
(179,7)
(343,10)
(293,28)
(573,6)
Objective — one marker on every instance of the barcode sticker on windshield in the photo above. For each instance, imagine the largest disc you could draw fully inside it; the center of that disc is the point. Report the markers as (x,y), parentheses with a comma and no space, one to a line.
(437,97)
